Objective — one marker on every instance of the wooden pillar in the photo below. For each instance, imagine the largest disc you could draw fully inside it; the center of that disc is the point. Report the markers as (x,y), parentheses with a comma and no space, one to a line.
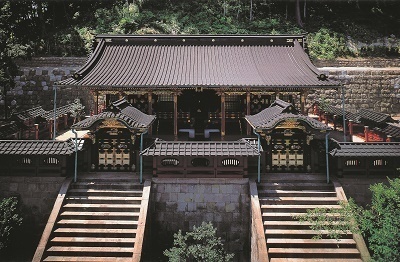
(96,104)
(248,112)
(389,138)
(222,116)
(302,102)
(36,131)
(334,122)
(366,131)
(175,116)
(65,121)
(50,126)
(150,107)
(351,132)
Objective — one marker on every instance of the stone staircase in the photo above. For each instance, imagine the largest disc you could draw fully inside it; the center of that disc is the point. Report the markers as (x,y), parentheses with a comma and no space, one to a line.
(283,196)
(98,221)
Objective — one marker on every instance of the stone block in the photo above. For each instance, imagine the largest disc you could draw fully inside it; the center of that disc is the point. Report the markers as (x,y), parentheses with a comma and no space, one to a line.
(191,207)
(198,197)
(13,187)
(231,207)
(182,207)
(215,189)
(211,206)
(201,206)
(171,206)
(173,197)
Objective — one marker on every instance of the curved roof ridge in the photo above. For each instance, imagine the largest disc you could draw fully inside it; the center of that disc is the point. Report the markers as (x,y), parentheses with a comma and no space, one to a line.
(94,57)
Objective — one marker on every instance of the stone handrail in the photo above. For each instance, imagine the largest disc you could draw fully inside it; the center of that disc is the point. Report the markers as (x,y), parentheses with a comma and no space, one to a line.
(137,250)
(52,221)
(360,243)
(259,251)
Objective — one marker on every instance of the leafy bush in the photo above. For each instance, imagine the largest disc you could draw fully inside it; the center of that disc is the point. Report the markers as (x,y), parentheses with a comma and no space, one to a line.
(10,220)
(379,222)
(201,245)
(326,44)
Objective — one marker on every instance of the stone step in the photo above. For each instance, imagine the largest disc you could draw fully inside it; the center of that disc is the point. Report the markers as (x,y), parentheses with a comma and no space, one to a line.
(99,215)
(295,186)
(93,241)
(94,232)
(290,224)
(295,208)
(279,216)
(314,260)
(97,223)
(103,200)
(291,177)
(87,259)
(299,234)
(104,192)
(314,252)
(90,251)
(312,243)
(106,185)
(102,207)
(299,200)
(293,193)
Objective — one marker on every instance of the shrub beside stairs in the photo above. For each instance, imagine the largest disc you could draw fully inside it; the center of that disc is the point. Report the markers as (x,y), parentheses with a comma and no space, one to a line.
(96,219)
(281,197)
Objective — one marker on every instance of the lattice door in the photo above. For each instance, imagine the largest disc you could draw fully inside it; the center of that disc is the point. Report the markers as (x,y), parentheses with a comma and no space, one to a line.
(287,154)
(114,154)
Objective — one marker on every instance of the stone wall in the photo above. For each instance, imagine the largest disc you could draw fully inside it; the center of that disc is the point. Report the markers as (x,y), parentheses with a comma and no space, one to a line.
(35,81)
(36,196)
(357,186)
(370,88)
(359,62)
(183,203)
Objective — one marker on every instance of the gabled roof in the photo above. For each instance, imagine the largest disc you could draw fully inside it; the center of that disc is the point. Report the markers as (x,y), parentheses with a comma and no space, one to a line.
(189,61)
(278,112)
(372,116)
(9,128)
(121,111)
(372,149)
(37,147)
(338,111)
(201,148)
(392,129)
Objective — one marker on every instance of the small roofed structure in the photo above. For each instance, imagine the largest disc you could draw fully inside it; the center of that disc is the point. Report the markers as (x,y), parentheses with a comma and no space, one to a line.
(38,157)
(366,158)
(113,133)
(201,159)
(289,139)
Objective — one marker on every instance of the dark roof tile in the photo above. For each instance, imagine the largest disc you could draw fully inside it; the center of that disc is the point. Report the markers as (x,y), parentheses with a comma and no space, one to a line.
(372,149)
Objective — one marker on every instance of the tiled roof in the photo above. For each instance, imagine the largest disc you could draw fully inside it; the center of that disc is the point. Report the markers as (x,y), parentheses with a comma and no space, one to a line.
(38,147)
(392,129)
(30,113)
(10,128)
(235,61)
(374,149)
(60,111)
(273,115)
(372,116)
(122,111)
(339,112)
(201,148)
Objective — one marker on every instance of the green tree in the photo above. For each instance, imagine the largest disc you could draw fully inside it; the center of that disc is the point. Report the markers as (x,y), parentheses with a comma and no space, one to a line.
(10,220)
(200,245)
(379,222)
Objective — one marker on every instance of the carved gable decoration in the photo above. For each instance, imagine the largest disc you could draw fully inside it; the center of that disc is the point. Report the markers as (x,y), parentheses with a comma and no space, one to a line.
(291,123)
(111,123)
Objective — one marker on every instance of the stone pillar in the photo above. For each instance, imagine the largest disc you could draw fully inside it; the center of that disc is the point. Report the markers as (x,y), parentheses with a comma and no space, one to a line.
(366,131)
(175,116)
(222,116)
(248,112)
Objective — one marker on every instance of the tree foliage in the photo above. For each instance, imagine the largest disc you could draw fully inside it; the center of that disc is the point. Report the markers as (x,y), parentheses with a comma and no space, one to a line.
(10,220)
(200,245)
(379,222)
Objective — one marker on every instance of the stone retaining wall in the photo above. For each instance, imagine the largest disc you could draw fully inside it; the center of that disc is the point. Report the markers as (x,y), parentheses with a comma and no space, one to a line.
(183,203)
(36,196)
(35,81)
(359,62)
